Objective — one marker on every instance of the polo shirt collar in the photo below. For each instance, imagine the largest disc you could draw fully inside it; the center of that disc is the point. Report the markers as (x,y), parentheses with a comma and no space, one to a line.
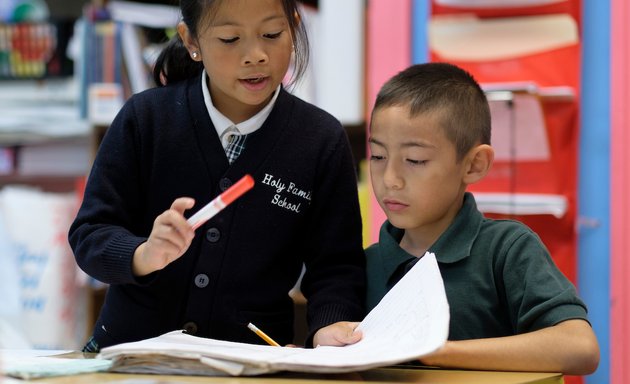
(222,123)
(453,245)
(457,241)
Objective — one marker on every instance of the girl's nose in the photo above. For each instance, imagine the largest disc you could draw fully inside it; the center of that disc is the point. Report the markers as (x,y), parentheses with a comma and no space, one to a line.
(255,54)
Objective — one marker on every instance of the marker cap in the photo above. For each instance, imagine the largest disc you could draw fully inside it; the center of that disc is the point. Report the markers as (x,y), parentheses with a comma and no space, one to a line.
(235,191)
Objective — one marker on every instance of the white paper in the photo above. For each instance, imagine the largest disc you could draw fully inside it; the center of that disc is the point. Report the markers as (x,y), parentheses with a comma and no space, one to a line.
(522,203)
(36,110)
(518,129)
(498,4)
(38,364)
(412,320)
(147,15)
(468,38)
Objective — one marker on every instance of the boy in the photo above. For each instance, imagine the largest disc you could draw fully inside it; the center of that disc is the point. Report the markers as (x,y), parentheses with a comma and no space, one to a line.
(511,308)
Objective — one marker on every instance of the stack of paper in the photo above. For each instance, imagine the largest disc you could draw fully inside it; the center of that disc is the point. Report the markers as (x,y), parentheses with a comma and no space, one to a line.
(412,320)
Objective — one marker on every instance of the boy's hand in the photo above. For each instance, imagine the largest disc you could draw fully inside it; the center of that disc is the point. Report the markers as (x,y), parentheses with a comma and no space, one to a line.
(337,334)
(169,239)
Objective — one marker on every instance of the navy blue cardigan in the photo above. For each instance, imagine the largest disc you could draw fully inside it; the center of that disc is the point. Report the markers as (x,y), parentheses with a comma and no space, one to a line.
(241,264)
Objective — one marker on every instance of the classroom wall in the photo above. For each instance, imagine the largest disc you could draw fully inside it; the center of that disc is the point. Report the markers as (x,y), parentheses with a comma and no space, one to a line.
(389,44)
(620,190)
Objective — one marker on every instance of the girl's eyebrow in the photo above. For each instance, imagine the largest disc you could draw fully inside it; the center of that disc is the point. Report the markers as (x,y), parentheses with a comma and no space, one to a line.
(229,23)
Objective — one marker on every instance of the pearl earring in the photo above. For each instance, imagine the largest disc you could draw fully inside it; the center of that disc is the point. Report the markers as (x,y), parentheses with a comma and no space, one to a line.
(194,55)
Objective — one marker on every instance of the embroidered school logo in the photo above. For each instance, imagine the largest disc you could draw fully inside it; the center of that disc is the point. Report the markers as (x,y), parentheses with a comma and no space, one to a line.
(288,195)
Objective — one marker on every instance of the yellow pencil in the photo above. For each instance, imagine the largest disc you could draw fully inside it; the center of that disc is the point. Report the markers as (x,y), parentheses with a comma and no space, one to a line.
(262,335)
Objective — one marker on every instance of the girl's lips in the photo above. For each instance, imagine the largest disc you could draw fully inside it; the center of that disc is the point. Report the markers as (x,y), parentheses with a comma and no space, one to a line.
(394,206)
(255,83)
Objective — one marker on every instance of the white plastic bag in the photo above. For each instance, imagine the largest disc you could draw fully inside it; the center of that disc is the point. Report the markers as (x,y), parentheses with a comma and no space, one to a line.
(52,303)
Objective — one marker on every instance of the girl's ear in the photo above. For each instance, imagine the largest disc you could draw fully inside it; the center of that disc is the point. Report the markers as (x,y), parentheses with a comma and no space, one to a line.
(479,161)
(189,42)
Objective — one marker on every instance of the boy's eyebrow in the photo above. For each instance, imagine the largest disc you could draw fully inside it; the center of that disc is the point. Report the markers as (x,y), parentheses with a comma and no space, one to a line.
(417,144)
(406,144)
(228,23)
(374,141)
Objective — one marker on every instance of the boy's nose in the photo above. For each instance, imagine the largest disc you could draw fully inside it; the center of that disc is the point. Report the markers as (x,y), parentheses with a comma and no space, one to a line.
(392,178)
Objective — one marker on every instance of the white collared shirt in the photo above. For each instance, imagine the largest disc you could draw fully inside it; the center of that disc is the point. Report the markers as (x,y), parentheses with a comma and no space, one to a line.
(222,123)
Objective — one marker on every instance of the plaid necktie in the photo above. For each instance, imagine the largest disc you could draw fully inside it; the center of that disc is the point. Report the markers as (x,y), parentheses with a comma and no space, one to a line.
(236,144)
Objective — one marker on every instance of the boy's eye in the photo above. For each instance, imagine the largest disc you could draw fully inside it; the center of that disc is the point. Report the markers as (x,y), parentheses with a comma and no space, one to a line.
(416,162)
(229,40)
(273,35)
(376,157)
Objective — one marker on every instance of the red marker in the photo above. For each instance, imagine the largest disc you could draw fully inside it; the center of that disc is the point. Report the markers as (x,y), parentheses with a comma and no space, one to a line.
(223,200)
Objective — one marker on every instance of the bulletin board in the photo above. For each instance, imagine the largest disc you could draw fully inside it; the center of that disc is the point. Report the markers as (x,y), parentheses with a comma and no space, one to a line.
(549,75)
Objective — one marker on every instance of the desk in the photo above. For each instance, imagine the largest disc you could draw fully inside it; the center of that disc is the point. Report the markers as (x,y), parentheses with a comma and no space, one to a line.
(379,375)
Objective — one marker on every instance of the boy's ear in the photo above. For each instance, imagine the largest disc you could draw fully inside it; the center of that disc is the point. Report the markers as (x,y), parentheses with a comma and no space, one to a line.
(479,160)
(187,39)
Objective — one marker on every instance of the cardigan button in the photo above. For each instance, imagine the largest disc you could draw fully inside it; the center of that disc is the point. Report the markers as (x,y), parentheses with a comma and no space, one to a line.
(202,280)
(190,327)
(213,235)
(225,183)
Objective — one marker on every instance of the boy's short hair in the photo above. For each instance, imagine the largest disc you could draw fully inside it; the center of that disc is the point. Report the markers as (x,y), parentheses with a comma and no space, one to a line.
(446,89)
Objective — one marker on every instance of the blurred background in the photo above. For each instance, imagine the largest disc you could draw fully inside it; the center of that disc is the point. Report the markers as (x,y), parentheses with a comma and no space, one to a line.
(555,73)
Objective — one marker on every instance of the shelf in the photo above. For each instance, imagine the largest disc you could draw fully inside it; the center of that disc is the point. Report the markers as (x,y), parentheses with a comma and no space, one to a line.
(505,91)
(522,203)
(40,111)
(46,183)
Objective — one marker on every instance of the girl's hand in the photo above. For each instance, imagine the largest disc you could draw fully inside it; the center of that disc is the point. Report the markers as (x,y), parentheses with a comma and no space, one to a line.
(337,334)
(169,239)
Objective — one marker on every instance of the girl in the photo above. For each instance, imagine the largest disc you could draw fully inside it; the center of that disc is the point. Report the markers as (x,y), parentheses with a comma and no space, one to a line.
(220,113)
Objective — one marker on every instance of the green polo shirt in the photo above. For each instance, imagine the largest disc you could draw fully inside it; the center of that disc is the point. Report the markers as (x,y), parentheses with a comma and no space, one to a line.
(499,278)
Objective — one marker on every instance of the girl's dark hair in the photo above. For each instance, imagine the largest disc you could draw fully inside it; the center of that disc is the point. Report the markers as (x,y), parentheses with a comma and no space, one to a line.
(446,89)
(174,62)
